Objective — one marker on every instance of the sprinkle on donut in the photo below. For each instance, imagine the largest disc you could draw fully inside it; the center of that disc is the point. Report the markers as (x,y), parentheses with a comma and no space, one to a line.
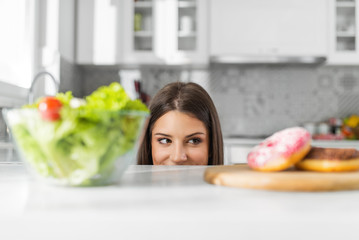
(281,150)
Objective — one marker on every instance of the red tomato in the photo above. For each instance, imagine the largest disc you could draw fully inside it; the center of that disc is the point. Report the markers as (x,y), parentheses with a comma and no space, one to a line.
(49,108)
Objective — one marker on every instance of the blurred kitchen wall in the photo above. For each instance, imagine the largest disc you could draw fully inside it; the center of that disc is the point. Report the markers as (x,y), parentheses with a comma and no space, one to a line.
(251,99)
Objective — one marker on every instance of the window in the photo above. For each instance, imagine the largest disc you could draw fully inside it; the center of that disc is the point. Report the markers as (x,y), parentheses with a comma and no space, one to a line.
(17,46)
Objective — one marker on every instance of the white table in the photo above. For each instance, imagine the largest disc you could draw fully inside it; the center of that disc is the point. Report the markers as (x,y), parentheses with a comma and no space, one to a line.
(169,202)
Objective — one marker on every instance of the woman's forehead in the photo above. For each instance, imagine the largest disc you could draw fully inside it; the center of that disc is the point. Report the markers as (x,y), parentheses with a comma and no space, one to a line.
(180,121)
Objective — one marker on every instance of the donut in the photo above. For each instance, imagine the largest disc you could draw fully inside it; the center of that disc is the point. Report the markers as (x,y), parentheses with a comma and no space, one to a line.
(281,150)
(330,160)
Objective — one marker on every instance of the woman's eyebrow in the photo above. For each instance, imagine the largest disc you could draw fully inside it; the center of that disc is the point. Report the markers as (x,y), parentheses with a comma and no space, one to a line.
(193,134)
(162,134)
(188,136)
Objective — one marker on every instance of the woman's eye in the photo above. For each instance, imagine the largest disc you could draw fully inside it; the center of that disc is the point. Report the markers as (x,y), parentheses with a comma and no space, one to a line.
(164,140)
(195,141)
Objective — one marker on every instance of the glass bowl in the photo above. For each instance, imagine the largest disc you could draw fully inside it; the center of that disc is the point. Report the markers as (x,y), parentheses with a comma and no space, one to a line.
(64,152)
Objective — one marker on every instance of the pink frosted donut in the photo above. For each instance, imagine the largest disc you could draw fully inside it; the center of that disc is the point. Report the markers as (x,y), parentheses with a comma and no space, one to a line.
(281,150)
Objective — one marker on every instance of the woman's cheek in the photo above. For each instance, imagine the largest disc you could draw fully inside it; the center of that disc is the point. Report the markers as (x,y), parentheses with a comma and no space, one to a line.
(159,155)
(199,156)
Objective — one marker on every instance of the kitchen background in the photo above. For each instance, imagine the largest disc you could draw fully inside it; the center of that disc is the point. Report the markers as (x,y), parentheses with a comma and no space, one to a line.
(228,47)
(267,65)
(253,100)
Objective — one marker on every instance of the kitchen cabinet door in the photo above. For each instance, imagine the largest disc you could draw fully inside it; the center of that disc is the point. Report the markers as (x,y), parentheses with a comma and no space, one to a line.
(344,38)
(139,24)
(276,27)
(165,32)
(98,32)
(141,32)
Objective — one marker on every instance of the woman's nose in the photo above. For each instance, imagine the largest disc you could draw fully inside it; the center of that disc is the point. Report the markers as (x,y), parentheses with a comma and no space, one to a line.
(179,154)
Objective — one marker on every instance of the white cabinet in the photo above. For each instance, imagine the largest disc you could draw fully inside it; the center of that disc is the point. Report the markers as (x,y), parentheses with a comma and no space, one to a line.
(237,149)
(261,27)
(140,19)
(236,154)
(141,32)
(98,32)
(165,31)
(344,32)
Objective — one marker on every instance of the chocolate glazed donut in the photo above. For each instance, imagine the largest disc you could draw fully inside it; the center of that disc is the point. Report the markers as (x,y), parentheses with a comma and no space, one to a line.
(330,160)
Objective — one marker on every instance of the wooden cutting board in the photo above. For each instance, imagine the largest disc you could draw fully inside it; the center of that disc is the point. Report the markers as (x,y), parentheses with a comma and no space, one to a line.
(242,176)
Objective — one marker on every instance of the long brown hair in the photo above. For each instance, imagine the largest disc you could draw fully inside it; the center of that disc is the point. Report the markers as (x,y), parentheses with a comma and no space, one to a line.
(188,98)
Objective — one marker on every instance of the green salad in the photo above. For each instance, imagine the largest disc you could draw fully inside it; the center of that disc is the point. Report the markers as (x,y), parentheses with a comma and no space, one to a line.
(79,142)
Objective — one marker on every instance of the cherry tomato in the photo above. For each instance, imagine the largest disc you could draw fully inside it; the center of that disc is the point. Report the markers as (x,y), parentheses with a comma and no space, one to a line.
(49,108)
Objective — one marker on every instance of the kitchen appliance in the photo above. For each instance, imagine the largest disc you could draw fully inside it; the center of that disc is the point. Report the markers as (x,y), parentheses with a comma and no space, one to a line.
(269,32)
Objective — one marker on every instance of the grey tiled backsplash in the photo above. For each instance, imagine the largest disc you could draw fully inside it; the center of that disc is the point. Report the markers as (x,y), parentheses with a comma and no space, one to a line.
(251,99)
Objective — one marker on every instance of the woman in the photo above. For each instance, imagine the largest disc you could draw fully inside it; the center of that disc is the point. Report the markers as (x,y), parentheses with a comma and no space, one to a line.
(183,128)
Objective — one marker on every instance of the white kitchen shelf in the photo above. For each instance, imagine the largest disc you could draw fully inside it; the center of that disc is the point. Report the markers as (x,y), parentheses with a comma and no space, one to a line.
(344,41)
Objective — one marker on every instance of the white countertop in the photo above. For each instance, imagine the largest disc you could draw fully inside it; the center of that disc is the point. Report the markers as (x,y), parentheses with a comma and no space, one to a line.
(318,143)
(169,202)
(236,149)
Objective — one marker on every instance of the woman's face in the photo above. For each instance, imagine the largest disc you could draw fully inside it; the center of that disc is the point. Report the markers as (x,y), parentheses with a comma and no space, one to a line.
(179,139)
